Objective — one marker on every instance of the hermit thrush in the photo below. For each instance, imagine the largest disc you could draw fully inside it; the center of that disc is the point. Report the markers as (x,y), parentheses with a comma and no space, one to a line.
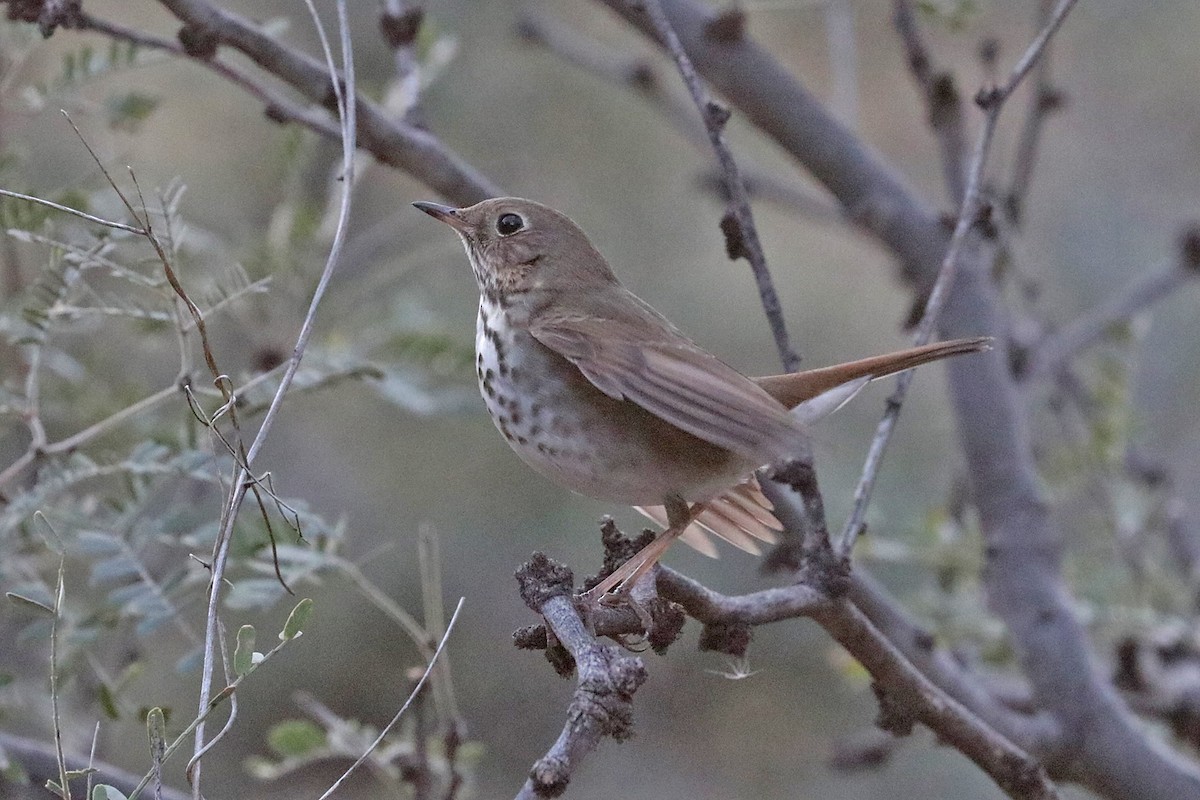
(596,390)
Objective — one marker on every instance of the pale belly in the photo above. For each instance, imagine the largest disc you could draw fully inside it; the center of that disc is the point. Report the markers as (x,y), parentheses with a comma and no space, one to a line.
(569,431)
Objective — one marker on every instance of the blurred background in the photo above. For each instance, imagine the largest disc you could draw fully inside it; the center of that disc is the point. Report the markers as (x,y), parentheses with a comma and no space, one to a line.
(1118,175)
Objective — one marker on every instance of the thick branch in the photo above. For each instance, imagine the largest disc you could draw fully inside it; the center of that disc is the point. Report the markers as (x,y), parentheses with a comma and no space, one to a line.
(1108,750)
(410,149)
(602,705)
(754,82)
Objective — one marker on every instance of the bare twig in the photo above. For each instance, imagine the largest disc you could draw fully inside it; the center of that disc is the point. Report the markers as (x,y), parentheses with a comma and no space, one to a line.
(741,236)
(411,697)
(108,223)
(64,787)
(1057,350)
(405,147)
(400,22)
(346,103)
(992,101)
(943,105)
(1043,100)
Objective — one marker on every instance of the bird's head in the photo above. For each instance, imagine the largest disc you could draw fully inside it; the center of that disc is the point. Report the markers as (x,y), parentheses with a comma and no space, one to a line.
(518,246)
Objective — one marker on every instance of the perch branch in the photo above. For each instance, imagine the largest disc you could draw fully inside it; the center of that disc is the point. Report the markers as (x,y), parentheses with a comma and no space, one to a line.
(602,705)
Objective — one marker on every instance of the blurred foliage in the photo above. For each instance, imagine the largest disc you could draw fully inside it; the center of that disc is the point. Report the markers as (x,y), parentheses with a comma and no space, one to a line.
(135,500)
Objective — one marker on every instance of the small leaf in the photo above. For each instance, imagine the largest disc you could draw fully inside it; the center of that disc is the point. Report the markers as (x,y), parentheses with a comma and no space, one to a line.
(144,712)
(156,729)
(126,112)
(97,543)
(103,791)
(296,620)
(295,738)
(243,654)
(108,702)
(29,602)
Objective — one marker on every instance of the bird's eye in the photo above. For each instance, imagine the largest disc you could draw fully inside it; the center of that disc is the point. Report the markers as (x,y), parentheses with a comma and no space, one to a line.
(509,224)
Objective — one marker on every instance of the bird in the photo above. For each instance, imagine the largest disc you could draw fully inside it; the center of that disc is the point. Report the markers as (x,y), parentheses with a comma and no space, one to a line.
(596,390)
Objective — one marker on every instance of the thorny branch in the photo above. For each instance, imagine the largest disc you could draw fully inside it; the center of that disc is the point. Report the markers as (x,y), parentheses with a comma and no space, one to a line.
(741,235)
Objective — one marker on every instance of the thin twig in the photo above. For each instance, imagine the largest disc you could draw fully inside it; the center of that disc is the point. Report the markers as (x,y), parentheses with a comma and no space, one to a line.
(346,101)
(1042,101)
(121,226)
(741,235)
(411,696)
(1058,349)
(943,104)
(992,101)
(400,22)
(59,593)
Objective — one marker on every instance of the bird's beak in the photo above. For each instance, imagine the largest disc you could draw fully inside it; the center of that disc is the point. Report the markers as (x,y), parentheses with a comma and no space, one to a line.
(446,214)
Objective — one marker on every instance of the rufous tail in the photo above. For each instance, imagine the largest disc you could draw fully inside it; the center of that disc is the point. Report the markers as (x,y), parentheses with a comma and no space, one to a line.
(794,388)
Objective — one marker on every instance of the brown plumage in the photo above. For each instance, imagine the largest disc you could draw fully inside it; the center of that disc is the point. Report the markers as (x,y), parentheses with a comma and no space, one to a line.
(597,390)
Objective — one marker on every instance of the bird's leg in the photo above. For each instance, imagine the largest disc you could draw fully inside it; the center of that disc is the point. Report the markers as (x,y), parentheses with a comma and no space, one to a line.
(679,516)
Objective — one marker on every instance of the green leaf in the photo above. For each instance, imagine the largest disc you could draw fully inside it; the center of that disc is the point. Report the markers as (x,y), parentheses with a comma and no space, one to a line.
(295,738)
(127,112)
(296,620)
(29,602)
(108,702)
(103,791)
(243,654)
(156,729)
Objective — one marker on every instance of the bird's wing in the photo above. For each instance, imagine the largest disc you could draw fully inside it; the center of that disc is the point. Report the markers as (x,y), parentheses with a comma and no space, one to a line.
(675,380)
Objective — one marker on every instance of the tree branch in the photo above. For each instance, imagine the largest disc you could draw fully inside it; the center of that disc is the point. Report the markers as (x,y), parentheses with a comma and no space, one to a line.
(1057,351)
(943,104)
(1107,749)
(741,235)
(600,708)
(602,705)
